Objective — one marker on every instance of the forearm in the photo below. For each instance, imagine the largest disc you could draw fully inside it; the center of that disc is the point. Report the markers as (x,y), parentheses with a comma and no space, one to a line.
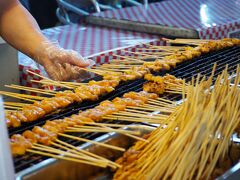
(20,30)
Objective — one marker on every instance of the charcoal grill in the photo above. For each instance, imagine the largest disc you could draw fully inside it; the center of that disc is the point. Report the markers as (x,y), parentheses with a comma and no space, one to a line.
(186,70)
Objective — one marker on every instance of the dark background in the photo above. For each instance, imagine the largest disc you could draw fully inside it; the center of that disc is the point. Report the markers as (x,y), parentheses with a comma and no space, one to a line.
(44,11)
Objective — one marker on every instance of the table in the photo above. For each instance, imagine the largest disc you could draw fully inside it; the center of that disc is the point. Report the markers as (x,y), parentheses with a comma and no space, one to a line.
(205,19)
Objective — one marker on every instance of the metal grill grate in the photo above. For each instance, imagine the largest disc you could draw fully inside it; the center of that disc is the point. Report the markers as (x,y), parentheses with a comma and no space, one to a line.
(186,70)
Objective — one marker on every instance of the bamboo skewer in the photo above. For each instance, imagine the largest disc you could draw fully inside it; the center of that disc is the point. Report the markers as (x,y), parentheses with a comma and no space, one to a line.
(97,129)
(130,58)
(93,142)
(140,53)
(62,157)
(12,107)
(16,96)
(22,95)
(52,83)
(107,126)
(85,152)
(69,152)
(42,91)
(150,109)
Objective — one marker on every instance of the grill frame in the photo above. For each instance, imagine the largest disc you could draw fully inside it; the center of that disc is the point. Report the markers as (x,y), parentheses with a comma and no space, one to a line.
(186,70)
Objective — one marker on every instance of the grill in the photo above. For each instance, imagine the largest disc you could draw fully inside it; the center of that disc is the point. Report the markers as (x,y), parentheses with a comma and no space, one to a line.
(186,70)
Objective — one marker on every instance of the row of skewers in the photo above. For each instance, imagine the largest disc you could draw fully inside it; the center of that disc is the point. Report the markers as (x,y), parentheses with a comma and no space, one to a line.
(197,141)
(129,65)
(128,108)
(37,110)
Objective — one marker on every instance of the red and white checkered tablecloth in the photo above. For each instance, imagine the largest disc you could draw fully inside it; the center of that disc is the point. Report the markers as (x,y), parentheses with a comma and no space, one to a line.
(210,18)
(97,43)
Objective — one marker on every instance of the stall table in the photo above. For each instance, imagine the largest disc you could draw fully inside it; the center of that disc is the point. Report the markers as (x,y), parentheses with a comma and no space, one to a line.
(206,19)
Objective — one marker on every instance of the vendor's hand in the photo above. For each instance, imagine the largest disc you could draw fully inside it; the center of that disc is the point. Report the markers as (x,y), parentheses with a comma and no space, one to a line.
(64,65)
(61,64)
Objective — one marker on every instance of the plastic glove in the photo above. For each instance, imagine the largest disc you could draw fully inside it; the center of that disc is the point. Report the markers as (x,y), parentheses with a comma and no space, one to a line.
(60,64)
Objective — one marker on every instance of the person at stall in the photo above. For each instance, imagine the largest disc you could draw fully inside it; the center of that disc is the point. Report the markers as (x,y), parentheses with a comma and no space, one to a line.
(19,29)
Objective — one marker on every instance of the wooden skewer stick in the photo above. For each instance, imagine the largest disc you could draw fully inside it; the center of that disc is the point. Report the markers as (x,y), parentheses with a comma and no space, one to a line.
(95,129)
(112,69)
(160,103)
(15,104)
(17,97)
(70,152)
(162,99)
(92,156)
(152,120)
(174,92)
(63,158)
(116,125)
(150,109)
(168,102)
(136,120)
(29,89)
(159,106)
(93,142)
(87,152)
(140,112)
(130,58)
(52,83)
(12,107)
(22,95)
(140,53)
(132,116)
(82,155)
(91,70)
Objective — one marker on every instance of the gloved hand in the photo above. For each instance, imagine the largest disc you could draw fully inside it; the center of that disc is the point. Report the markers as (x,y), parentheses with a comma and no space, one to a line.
(61,64)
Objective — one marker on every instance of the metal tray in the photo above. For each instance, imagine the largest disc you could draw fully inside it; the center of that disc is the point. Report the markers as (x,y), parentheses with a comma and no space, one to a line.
(52,169)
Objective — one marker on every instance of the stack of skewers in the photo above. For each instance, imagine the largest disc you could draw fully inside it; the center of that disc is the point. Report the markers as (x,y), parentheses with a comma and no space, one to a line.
(197,141)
